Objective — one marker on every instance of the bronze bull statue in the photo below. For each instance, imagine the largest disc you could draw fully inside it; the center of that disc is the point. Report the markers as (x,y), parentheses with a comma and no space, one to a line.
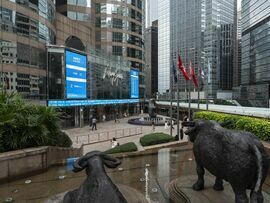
(98,187)
(235,156)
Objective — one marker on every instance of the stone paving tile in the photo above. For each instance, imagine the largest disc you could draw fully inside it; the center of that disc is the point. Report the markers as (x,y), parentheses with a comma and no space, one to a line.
(110,127)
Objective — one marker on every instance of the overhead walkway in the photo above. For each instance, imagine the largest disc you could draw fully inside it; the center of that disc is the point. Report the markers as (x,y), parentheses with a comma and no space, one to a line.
(239,110)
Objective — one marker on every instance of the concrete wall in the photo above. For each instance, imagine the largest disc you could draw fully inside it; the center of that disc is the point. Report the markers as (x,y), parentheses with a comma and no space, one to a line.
(25,162)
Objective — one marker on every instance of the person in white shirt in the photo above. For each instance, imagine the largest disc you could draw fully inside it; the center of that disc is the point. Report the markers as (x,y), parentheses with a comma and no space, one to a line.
(114,143)
(166,125)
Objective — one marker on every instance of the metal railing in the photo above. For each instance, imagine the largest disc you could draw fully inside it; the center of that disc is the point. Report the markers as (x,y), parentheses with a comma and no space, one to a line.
(107,135)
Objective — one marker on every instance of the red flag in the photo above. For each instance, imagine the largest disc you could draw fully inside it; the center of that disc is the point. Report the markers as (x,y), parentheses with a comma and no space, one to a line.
(181,68)
(192,73)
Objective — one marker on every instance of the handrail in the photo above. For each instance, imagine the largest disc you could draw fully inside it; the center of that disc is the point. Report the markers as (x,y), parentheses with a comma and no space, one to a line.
(106,135)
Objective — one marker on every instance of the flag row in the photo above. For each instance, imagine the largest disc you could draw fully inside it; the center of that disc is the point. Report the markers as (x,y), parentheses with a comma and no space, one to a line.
(191,74)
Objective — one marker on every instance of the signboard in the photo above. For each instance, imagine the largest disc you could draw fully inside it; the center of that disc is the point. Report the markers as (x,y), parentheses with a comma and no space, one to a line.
(134,84)
(75,75)
(63,103)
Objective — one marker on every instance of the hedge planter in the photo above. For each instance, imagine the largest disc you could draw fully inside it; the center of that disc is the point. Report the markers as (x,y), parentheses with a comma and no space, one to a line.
(128,147)
(155,138)
(260,127)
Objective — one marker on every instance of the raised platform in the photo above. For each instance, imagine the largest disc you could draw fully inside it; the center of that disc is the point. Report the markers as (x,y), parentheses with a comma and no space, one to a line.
(180,191)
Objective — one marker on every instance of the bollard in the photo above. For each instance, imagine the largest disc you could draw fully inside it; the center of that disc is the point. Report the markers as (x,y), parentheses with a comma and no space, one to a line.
(88,138)
(107,135)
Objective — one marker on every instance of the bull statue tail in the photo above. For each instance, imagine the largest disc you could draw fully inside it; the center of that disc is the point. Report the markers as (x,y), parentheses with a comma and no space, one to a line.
(259,168)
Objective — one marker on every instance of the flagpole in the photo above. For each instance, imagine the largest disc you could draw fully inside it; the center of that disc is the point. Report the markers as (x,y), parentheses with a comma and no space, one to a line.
(171,108)
(208,79)
(198,89)
(189,99)
(178,109)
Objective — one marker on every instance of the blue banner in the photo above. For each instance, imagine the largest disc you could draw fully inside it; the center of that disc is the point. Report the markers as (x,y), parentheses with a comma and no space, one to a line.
(134,84)
(75,75)
(65,103)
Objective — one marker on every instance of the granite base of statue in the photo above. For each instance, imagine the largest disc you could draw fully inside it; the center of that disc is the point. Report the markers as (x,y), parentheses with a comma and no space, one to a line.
(237,157)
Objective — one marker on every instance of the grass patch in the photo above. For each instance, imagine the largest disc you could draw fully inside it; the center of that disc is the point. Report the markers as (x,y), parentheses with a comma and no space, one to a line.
(155,138)
(128,147)
(257,126)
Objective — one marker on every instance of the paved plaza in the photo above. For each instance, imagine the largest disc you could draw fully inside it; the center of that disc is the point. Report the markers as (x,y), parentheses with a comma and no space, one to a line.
(109,129)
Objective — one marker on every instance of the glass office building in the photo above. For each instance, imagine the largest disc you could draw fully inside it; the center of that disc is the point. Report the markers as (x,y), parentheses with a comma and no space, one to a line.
(108,86)
(201,32)
(219,43)
(119,31)
(118,27)
(255,69)
(187,29)
(26,28)
(164,57)
(33,42)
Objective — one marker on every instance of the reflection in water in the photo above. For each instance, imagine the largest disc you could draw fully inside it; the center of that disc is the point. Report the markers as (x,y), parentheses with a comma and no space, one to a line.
(151,171)
(163,168)
(146,185)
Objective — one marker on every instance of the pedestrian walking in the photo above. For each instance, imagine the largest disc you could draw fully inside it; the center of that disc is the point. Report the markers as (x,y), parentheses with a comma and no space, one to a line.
(103,118)
(153,125)
(172,124)
(94,123)
(116,120)
(166,125)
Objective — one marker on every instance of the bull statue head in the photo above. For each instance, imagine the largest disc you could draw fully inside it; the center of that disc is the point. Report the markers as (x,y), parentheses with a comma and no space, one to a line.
(100,158)
(194,127)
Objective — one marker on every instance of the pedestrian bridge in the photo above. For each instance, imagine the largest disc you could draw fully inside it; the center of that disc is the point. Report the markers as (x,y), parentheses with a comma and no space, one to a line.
(238,110)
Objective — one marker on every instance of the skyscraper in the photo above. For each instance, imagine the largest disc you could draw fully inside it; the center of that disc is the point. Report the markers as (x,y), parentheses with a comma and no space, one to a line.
(219,43)
(26,28)
(151,60)
(255,69)
(118,27)
(201,32)
(164,35)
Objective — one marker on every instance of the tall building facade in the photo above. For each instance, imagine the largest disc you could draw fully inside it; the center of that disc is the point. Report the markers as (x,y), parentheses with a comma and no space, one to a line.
(237,66)
(219,43)
(119,31)
(201,32)
(151,60)
(255,69)
(151,12)
(187,29)
(26,28)
(42,52)
(118,27)
(164,36)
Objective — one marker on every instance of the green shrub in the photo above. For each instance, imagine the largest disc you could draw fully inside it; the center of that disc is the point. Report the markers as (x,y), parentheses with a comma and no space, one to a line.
(23,124)
(259,127)
(61,139)
(128,147)
(155,138)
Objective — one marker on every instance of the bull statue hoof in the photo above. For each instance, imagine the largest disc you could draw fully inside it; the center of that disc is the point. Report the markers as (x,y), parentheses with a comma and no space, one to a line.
(98,187)
(198,186)
(235,156)
(218,187)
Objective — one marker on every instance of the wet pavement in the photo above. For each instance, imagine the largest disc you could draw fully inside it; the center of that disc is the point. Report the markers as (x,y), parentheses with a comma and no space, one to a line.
(147,173)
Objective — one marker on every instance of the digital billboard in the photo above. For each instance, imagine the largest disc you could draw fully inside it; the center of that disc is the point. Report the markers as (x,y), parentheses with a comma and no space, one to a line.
(75,75)
(134,84)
